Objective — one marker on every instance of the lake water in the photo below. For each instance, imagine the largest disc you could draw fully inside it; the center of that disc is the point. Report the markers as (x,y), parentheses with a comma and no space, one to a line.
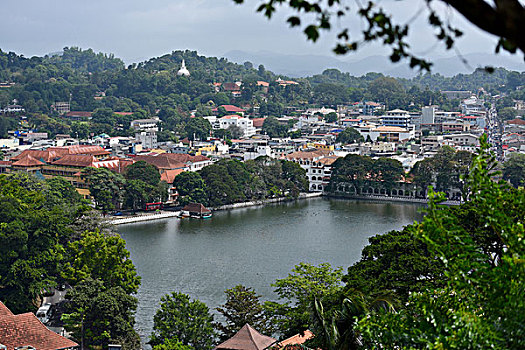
(251,246)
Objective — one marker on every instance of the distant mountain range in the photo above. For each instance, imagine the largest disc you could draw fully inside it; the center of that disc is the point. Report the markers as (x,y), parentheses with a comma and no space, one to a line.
(307,65)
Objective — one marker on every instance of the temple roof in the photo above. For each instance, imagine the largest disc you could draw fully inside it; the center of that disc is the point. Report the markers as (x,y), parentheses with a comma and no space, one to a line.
(247,338)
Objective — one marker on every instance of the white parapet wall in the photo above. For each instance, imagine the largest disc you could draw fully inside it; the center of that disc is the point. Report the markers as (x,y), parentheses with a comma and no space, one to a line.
(144,217)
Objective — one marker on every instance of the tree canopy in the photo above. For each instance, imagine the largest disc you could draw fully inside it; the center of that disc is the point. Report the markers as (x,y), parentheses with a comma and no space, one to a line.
(184,320)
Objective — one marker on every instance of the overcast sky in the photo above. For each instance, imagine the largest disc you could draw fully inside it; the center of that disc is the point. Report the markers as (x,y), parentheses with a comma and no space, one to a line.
(136,30)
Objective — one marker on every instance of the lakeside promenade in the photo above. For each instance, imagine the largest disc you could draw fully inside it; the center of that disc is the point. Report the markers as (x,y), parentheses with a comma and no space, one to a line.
(169,214)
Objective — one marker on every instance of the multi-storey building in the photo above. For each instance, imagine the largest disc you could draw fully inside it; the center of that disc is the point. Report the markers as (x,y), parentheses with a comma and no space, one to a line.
(396,117)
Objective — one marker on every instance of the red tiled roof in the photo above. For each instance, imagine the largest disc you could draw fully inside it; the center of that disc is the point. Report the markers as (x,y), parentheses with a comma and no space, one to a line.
(169,175)
(124,113)
(4,311)
(5,162)
(258,122)
(26,329)
(78,114)
(308,154)
(230,109)
(262,83)
(28,161)
(45,156)
(196,208)
(80,149)
(76,160)
(328,160)
(231,87)
(247,338)
(162,161)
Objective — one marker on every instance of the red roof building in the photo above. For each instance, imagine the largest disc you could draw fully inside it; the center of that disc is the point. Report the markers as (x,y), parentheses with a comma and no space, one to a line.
(78,114)
(165,161)
(230,109)
(231,87)
(258,122)
(96,151)
(46,156)
(26,329)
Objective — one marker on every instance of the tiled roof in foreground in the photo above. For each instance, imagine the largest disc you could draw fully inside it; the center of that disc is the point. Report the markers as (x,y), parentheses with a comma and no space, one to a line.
(26,329)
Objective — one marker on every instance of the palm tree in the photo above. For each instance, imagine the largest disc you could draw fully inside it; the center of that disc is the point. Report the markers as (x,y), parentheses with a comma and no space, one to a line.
(339,330)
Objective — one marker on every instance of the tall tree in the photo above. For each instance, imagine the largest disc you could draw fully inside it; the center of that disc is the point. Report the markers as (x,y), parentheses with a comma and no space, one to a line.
(349,135)
(97,315)
(197,128)
(182,319)
(101,257)
(298,290)
(144,172)
(106,188)
(191,188)
(242,306)
(30,232)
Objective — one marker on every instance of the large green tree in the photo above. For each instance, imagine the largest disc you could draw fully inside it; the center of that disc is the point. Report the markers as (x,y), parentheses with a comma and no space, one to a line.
(102,257)
(349,135)
(191,188)
(297,291)
(182,319)
(97,315)
(30,232)
(197,128)
(144,172)
(106,188)
(242,307)
(396,262)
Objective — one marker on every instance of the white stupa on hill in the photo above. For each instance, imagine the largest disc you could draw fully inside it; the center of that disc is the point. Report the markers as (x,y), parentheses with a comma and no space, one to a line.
(183,70)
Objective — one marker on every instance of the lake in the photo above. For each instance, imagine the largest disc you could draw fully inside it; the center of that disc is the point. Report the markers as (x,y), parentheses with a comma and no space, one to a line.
(251,246)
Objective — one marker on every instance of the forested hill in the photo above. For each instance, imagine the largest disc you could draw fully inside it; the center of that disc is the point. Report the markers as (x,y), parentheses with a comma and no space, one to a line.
(479,78)
(81,75)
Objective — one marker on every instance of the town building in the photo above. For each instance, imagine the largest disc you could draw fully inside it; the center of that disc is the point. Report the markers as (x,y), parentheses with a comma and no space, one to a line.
(61,107)
(396,117)
(318,171)
(244,124)
(428,115)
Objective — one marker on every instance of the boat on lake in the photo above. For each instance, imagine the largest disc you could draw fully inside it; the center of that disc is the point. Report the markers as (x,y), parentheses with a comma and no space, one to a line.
(195,210)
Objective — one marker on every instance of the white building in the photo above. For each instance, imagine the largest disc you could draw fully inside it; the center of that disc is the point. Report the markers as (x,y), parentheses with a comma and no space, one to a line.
(144,124)
(318,166)
(13,109)
(387,133)
(396,117)
(245,124)
(463,139)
